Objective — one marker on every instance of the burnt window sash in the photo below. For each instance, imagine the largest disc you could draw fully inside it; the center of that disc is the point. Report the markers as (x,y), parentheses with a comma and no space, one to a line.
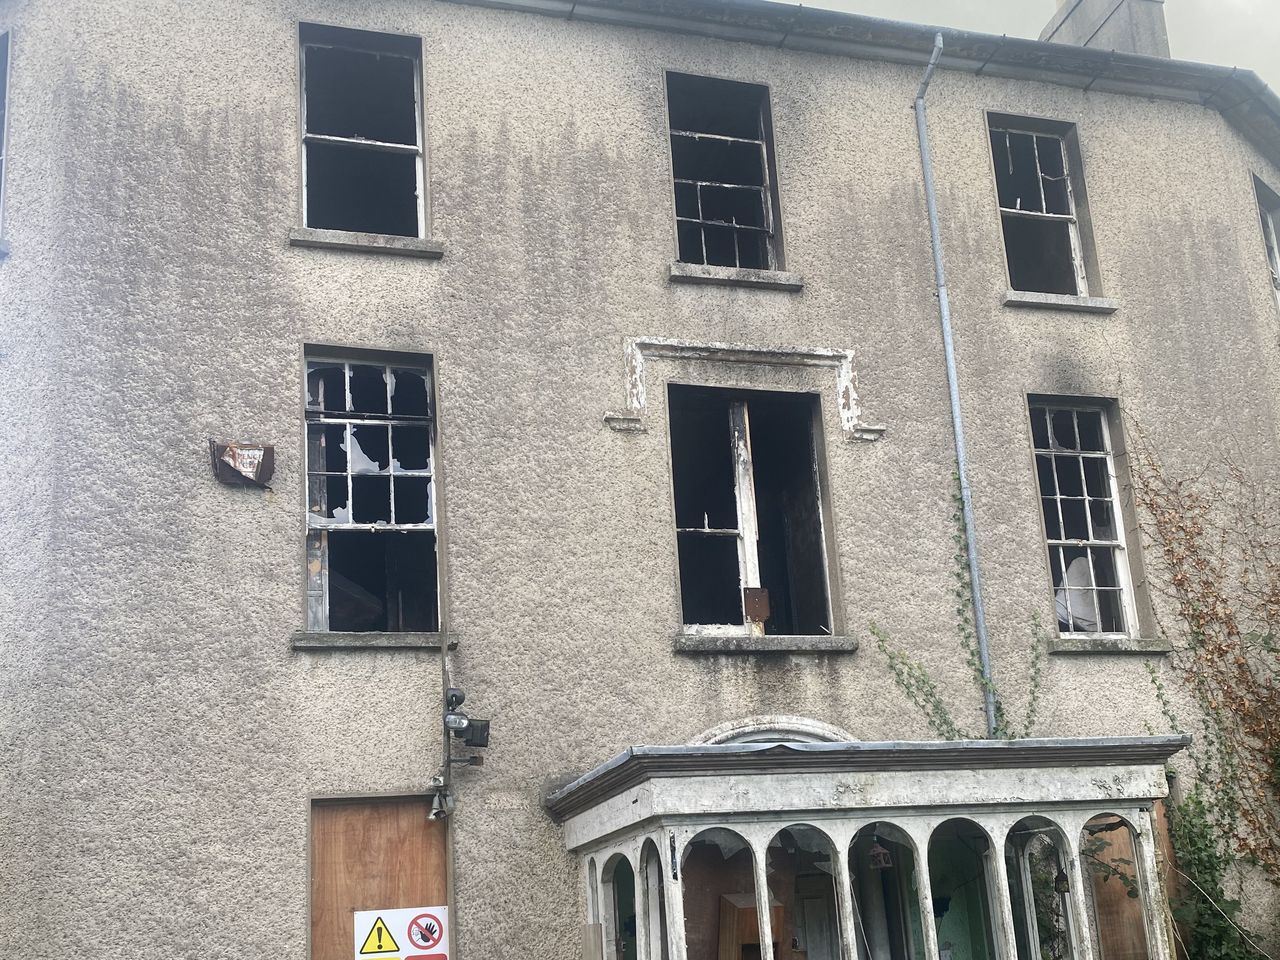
(1079,494)
(314,37)
(754,239)
(1050,163)
(335,479)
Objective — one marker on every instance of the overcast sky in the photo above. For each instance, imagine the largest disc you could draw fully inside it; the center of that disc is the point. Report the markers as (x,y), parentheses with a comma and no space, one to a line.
(1236,33)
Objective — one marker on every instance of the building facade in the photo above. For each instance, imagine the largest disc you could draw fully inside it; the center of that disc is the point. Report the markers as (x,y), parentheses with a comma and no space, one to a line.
(597,348)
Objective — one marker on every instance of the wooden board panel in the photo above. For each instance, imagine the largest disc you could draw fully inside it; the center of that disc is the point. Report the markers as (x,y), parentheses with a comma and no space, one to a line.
(371,855)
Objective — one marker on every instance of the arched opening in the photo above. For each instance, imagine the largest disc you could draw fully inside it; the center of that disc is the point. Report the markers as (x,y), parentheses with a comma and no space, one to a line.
(882,873)
(1113,889)
(801,872)
(962,878)
(1036,858)
(654,912)
(620,928)
(721,921)
(773,728)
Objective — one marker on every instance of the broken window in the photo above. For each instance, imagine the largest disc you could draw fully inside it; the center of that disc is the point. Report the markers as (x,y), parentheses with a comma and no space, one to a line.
(962,881)
(721,915)
(1269,212)
(802,880)
(722,161)
(749,515)
(371,541)
(1038,211)
(1036,856)
(362,131)
(1109,859)
(1083,525)
(882,873)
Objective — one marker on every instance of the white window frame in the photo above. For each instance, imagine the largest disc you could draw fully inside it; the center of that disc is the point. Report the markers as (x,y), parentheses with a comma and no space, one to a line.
(1071,218)
(1118,545)
(319,526)
(747,532)
(416,149)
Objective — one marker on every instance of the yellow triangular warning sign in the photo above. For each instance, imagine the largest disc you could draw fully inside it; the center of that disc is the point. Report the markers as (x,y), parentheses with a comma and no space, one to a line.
(379,940)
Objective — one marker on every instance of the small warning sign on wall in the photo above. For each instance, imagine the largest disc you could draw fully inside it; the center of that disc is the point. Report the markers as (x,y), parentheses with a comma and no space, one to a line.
(405,933)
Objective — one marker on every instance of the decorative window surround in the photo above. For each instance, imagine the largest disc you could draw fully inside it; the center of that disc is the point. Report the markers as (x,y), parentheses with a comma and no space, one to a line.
(663,797)
(636,350)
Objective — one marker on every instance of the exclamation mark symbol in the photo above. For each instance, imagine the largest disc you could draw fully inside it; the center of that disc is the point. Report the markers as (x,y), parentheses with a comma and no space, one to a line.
(379,932)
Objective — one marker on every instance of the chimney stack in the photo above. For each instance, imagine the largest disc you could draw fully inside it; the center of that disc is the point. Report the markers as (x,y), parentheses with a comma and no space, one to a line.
(1129,26)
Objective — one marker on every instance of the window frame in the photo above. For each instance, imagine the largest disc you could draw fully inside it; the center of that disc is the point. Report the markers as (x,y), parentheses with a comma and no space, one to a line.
(316,631)
(1124,556)
(1268,201)
(418,150)
(748,558)
(1079,231)
(772,204)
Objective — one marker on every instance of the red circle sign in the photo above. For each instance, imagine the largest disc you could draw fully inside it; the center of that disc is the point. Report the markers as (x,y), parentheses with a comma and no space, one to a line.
(425,931)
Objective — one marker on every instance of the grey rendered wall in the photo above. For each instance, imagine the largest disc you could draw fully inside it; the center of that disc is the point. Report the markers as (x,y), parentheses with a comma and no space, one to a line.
(168,739)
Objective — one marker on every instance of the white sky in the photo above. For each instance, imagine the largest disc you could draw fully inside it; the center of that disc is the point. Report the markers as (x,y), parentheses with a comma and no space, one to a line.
(1235,33)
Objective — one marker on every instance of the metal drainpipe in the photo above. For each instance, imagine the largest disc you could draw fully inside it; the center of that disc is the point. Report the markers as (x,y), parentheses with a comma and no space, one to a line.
(957,421)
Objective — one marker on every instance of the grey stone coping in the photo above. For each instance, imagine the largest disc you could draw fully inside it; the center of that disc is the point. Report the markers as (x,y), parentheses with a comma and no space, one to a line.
(636,765)
(335,640)
(735,277)
(711,643)
(1059,301)
(366,242)
(1087,644)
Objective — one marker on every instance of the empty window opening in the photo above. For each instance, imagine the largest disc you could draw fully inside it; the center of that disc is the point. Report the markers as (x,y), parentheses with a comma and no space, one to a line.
(1113,889)
(1038,212)
(961,877)
(655,903)
(1036,860)
(722,161)
(371,537)
(1083,526)
(1269,213)
(748,508)
(721,919)
(882,870)
(362,131)
(801,875)
(621,880)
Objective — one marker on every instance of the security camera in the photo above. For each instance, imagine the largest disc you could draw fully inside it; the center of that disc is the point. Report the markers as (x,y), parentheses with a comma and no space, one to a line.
(454,698)
(441,806)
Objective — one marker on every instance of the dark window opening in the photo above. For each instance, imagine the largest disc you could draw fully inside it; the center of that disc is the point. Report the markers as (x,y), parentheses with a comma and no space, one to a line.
(1037,212)
(371,518)
(748,510)
(362,141)
(721,154)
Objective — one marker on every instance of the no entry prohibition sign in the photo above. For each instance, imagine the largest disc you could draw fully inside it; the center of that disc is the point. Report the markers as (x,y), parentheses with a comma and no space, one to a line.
(425,931)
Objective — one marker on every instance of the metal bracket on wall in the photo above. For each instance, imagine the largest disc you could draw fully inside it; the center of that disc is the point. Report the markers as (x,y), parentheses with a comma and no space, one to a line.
(637,350)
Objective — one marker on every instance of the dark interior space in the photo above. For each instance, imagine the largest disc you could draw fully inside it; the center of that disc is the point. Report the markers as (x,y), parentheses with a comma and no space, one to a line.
(1039,254)
(382,581)
(361,189)
(354,93)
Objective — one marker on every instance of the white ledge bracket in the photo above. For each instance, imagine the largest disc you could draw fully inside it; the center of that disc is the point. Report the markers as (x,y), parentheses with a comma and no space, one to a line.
(637,350)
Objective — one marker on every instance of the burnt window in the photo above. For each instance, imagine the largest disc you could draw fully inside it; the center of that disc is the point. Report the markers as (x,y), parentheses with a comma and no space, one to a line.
(1083,524)
(722,161)
(362,131)
(1269,213)
(749,517)
(1037,191)
(371,518)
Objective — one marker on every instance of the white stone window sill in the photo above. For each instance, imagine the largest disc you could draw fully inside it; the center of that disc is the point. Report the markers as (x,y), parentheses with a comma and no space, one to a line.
(366,242)
(735,277)
(1059,301)
(1106,643)
(334,640)
(750,643)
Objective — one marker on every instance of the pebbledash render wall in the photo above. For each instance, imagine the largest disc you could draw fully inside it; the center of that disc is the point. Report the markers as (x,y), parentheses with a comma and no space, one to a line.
(160,740)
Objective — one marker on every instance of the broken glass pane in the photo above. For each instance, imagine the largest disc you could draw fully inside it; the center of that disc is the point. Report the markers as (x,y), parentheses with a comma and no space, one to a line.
(1064,430)
(1039,255)
(357,94)
(327,497)
(1040,428)
(372,499)
(326,448)
(1053,174)
(370,450)
(1092,437)
(362,190)
(1070,482)
(368,389)
(408,393)
(1017,178)
(413,500)
(326,387)
(1111,609)
(411,448)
